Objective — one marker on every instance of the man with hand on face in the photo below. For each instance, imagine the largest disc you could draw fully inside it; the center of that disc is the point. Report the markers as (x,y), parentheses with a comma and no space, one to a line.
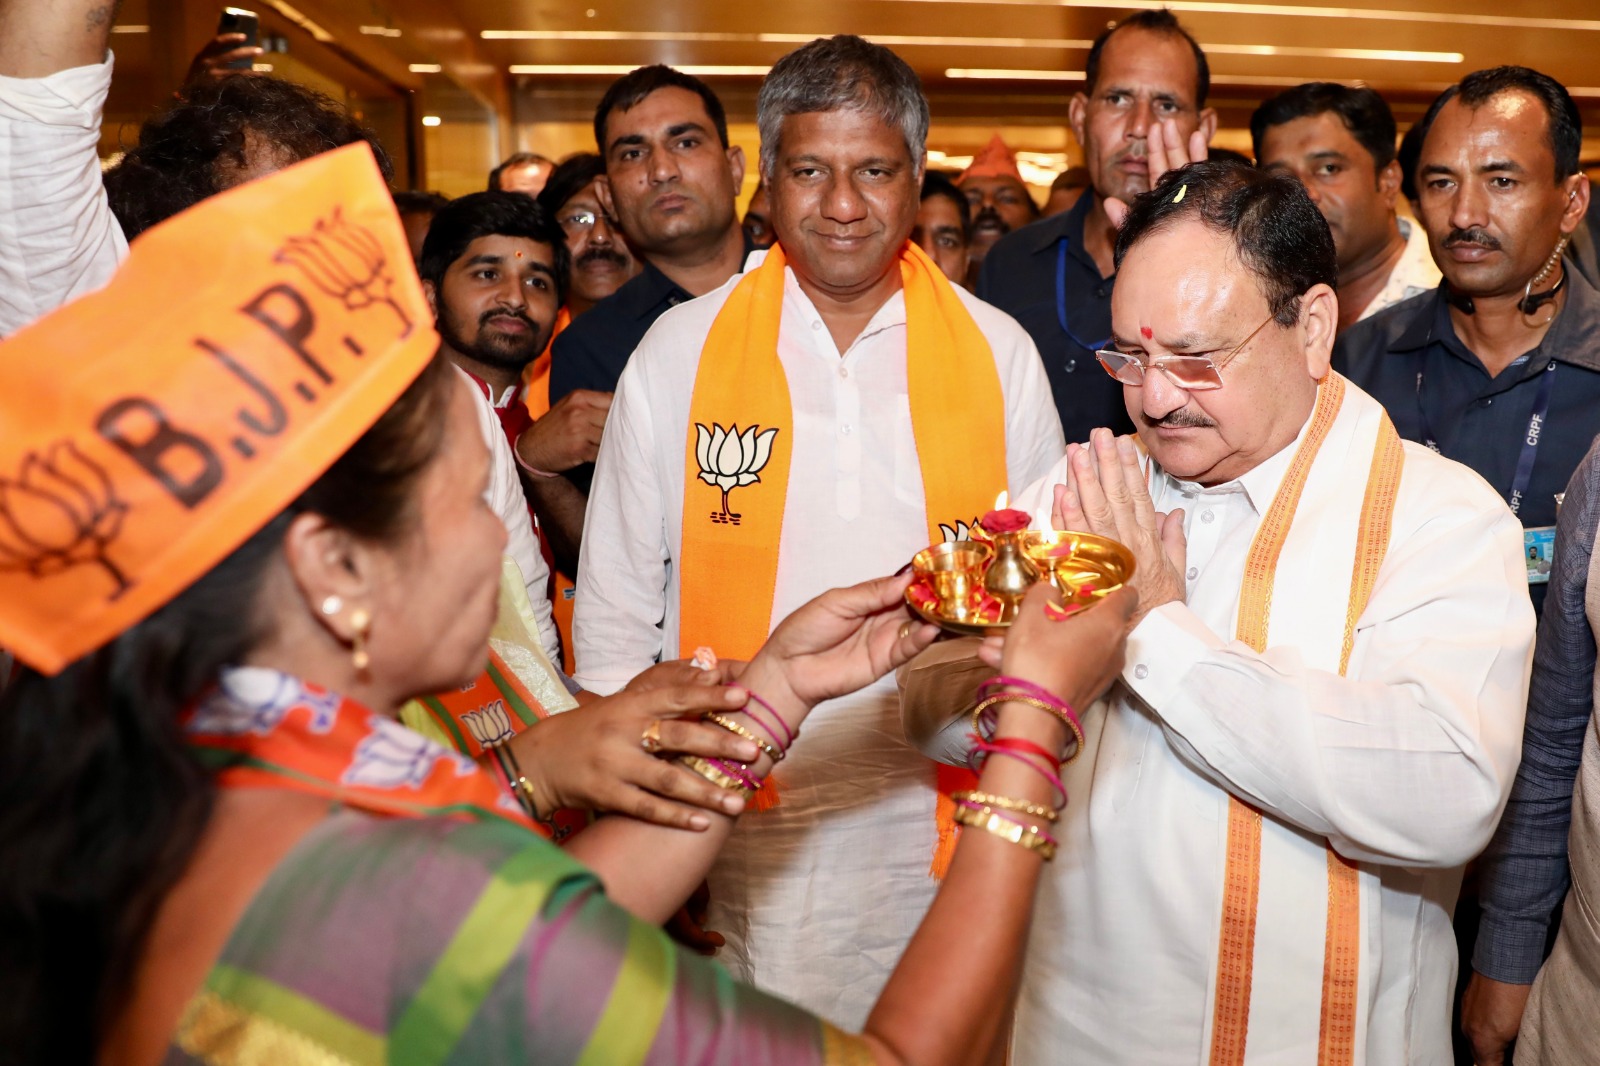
(820,417)
(1339,142)
(1318,722)
(1498,367)
(1142,109)
(998,197)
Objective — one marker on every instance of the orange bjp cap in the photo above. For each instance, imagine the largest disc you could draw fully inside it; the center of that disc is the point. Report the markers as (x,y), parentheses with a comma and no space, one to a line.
(149,429)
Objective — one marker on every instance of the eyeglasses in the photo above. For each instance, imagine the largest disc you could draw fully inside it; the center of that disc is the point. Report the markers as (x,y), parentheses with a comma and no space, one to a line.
(1192,373)
(583,221)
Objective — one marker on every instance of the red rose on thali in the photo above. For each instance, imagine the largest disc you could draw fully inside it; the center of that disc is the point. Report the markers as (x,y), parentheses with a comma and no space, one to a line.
(1009,520)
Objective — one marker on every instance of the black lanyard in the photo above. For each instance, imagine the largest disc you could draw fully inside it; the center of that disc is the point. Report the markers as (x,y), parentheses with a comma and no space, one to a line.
(1061,300)
(1530,439)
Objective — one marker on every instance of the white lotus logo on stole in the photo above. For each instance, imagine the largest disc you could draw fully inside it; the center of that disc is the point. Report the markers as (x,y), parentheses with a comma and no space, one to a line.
(489,725)
(959,531)
(729,460)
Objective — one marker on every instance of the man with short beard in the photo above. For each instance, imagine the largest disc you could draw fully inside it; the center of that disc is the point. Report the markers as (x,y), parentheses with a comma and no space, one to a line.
(494,269)
(1498,367)
(1142,110)
(998,198)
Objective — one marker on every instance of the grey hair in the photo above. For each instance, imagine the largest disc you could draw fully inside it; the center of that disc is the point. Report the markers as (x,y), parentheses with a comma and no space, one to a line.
(843,73)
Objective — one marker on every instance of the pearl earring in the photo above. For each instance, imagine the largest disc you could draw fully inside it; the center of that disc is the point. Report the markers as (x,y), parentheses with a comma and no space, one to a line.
(332,605)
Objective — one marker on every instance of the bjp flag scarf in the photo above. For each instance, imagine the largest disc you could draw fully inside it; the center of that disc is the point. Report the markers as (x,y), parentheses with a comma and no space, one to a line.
(736,479)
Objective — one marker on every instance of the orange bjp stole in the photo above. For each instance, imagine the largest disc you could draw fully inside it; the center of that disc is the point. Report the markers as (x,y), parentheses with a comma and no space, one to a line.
(740,447)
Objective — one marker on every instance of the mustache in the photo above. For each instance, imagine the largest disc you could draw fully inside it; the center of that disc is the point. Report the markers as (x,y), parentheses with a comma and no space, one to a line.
(988,216)
(484,318)
(1475,236)
(1182,418)
(602,254)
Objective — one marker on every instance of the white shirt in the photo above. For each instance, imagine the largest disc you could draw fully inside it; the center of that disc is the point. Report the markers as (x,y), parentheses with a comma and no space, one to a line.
(1415,272)
(58,237)
(1403,764)
(506,498)
(819,896)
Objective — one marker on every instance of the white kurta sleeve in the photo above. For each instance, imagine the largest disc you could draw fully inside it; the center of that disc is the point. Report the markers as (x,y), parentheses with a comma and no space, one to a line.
(522,545)
(1409,759)
(622,568)
(58,237)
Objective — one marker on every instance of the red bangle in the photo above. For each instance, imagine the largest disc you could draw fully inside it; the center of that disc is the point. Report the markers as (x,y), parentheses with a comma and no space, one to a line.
(1027,747)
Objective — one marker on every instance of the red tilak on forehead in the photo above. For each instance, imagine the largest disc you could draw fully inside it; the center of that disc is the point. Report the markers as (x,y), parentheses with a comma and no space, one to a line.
(1147,331)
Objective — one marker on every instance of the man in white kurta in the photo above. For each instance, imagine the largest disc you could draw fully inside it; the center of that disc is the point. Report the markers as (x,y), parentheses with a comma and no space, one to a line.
(818,896)
(1399,763)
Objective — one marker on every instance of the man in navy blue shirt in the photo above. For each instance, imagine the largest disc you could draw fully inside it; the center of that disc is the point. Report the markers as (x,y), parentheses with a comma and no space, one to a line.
(1499,367)
(1142,106)
(671,180)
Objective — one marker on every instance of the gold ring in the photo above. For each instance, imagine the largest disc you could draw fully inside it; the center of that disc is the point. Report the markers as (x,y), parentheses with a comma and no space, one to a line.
(905,629)
(651,740)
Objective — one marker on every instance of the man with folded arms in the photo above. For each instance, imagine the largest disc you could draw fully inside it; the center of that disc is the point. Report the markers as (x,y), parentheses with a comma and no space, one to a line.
(815,420)
(1320,716)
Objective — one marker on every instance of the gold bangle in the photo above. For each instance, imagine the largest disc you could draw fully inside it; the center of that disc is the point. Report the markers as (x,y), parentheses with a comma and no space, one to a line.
(521,787)
(1005,803)
(990,821)
(715,776)
(772,751)
(1031,701)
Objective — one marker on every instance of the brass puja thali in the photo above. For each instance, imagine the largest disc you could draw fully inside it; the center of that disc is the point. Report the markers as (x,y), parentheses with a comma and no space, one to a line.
(975,587)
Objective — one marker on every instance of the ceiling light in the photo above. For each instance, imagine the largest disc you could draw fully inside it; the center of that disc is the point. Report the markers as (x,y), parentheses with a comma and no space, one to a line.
(380,31)
(426,68)
(625,68)
(1014,75)
(261,68)
(1210,7)
(1387,54)
(431,120)
(130,29)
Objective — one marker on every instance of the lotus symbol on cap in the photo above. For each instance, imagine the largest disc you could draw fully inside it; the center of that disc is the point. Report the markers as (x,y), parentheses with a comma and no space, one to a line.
(60,512)
(729,459)
(347,262)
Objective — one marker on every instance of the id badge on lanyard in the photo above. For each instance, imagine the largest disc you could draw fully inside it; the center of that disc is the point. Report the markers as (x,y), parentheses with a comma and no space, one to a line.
(1538,542)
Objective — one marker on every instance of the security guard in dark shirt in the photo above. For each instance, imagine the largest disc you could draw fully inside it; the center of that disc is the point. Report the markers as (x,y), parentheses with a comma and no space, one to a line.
(1145,76)
(1499,367)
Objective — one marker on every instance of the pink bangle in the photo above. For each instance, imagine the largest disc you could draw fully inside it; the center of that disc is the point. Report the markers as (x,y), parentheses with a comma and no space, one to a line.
(982,748)
(789,735)
(1002,683)
(526,469)
(738,772)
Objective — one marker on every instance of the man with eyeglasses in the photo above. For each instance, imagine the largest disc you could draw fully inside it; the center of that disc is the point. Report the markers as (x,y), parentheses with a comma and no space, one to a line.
(1141,110)
(1318,722)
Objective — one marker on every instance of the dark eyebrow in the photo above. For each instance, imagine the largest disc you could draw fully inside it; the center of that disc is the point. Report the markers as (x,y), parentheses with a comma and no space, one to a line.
(485,259)
(1501,164)
(626,139)
(1437,168)
(1328,153)
(685,127)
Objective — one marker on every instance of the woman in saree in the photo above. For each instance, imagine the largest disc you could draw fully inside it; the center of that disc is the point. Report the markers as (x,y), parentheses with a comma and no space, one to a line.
(217,845)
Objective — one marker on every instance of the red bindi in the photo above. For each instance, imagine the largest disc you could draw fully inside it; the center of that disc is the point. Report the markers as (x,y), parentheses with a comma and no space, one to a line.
(1147,331)
(519,256)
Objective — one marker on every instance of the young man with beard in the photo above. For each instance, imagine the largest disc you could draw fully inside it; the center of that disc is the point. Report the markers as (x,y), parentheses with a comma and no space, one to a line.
(1141,111)
(494,269)
(998,199)
(1338,142)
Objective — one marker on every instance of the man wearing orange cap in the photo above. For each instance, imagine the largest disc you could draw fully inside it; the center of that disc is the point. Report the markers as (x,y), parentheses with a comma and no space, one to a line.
(999,199)
(1141,111)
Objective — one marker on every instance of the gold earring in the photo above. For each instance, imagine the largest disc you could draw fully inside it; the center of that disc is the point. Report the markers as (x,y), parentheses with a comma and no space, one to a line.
(361,623)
